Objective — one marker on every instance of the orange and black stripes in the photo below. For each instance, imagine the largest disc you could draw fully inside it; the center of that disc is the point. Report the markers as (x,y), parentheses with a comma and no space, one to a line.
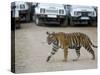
(74,40)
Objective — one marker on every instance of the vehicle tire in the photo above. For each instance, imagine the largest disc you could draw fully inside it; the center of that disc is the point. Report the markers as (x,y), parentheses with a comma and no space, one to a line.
(94,24)
(65,23)
(17,25)
(37,21)
(27,18)
(33,18)
(71,23)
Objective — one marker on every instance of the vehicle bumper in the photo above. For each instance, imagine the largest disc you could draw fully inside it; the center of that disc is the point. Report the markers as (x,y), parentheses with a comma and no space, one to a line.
(23,12)
(57,19)
(79,20)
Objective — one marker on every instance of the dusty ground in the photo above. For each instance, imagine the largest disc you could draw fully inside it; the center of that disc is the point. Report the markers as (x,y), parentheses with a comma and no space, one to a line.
(31,50)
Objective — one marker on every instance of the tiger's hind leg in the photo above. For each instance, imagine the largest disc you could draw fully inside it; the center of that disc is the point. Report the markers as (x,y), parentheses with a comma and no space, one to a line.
(78,53)
(90,50)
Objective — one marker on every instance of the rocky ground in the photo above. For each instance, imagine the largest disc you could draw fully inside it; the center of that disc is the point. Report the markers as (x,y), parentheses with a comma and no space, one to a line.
(31,50)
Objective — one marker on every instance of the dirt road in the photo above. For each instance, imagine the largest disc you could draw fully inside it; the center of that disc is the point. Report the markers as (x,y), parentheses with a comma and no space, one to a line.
(31,50)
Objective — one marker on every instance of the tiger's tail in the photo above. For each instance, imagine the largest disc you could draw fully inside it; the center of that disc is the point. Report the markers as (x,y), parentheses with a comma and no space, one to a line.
(93,44)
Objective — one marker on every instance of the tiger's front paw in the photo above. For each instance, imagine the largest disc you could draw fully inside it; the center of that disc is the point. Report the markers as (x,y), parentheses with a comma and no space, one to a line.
(48,58)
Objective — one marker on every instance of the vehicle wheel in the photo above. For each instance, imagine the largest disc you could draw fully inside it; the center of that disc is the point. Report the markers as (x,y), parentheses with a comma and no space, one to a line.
(17,24)
(94,24)
(37,21)
(71,23)
(65,23)
(27,18)
(33,18)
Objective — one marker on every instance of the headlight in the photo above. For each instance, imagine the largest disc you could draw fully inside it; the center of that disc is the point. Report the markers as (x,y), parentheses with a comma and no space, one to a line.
(42,10)
(76,13)
(61,11)
(92,14)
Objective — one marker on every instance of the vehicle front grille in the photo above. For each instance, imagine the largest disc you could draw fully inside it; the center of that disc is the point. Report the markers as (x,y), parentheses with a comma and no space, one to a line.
(52,11)
(85,13)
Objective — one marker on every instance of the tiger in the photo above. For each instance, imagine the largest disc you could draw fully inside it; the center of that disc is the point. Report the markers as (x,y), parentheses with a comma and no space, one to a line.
(74,40)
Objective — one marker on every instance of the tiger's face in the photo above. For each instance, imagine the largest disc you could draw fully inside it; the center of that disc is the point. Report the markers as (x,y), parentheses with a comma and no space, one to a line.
(50,38)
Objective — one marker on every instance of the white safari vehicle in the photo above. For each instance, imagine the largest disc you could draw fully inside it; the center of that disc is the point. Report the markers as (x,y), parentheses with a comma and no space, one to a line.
(82,15)
(50,14)
(23,9)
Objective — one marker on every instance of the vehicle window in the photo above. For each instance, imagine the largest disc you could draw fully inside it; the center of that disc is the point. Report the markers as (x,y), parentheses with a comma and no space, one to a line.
(22,6)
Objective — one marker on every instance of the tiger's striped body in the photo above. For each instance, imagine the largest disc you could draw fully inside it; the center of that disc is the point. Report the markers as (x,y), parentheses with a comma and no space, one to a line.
(69,40)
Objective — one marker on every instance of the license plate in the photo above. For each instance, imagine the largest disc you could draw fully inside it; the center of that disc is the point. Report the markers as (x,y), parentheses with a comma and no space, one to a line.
(52,16)
(85,18)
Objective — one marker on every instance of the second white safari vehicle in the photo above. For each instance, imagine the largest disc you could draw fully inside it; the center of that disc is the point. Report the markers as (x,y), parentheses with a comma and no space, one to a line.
(50,14)
(82,15)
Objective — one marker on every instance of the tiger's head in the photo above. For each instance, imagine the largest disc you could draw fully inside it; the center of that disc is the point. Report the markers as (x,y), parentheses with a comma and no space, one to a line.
(51,38)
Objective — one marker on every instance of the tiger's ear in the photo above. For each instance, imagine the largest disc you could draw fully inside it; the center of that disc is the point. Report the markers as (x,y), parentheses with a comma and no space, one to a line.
(47,33)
